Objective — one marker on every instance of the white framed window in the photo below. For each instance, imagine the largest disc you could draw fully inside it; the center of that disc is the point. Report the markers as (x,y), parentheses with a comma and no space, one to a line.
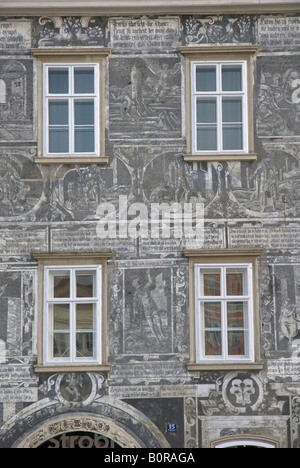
(72,314)
(224,313)
(71,109)
(219,107)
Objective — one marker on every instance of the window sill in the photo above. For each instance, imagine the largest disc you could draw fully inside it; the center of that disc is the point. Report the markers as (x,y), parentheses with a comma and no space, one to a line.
(217,157)
(72,160)
(72,368)
(225,366)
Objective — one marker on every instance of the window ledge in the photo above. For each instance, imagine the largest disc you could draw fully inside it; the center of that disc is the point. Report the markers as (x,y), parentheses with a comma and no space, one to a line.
(75,160)
(72,368)
(192,367)
(220,157)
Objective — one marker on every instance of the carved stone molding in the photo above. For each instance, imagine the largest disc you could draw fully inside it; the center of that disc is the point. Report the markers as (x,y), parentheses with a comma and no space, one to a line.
(79,422)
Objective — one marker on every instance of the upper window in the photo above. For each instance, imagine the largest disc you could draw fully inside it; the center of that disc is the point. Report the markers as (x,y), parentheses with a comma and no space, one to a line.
(71,110)
(219,103)
(71,105)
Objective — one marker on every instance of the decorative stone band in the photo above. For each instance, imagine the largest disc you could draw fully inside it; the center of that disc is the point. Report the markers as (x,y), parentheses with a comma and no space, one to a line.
(130,7)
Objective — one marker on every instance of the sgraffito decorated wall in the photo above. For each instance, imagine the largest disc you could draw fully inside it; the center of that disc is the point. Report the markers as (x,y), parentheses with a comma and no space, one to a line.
(149,396)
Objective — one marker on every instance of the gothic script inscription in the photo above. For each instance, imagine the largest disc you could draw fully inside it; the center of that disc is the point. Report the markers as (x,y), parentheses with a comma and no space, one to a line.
(279,32)
(144,33)
(15,35)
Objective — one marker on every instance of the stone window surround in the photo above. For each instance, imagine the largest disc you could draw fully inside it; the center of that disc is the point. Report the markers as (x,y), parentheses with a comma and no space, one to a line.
(71,56)
(217,257)
(222,54)
(72,259)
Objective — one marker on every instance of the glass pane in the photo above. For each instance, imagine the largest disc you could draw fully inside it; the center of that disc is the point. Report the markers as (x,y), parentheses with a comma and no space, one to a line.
(84,113)
(61,316)
(85,284)
(206,79)
(61,345)
(206,111)
(233,137)
(232,78)
(84,317)
(207,138)
(84,345)
(235,315)
(59,140)
(236,284)
(213,343)
(58,81)
(232,110)
(211,283)
(236,343)
(59,284)
(84,140)
(212,315)
(84,81)
(58,112)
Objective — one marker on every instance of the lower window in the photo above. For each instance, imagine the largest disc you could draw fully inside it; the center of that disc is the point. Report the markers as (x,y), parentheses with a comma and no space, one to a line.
(72,314)
(224,312)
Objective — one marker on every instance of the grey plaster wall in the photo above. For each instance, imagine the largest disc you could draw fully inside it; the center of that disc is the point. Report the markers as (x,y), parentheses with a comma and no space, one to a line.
(246,204)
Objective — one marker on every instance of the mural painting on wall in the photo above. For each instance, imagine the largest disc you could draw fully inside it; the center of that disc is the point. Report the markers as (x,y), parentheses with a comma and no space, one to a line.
(149,310)
(54,31)
(15,100)
(145,99)
(218,29)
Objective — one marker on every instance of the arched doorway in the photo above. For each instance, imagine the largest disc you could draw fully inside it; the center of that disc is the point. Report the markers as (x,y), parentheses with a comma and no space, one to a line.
(79,440)
(245,443)
(79,430)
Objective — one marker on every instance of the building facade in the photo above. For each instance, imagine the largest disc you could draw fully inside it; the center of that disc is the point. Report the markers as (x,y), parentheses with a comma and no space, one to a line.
(149,225)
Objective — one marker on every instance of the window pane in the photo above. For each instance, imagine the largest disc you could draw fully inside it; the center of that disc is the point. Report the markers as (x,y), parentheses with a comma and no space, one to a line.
(232,110)
(212,315)
(84,113)
(211,283)
(84,140)
(235,315)
(61,327)
(206,79)
(58,113)
(85,285)
(213,343)
(236,284)
(206,111)
(84,317)
(236,343)
(61,286)
(207,138)
(58,81)
(233,137)
(61,316)
(84,81)
(61,345)
(58,140)
(232,78)
(85,330)
(85,345)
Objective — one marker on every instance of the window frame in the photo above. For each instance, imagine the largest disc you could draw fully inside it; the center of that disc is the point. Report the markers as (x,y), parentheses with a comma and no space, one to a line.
(197,55)
(72,301)
(231,258)
(70,97)
(79,262)
(219,95)
(62,57)
(223,299)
